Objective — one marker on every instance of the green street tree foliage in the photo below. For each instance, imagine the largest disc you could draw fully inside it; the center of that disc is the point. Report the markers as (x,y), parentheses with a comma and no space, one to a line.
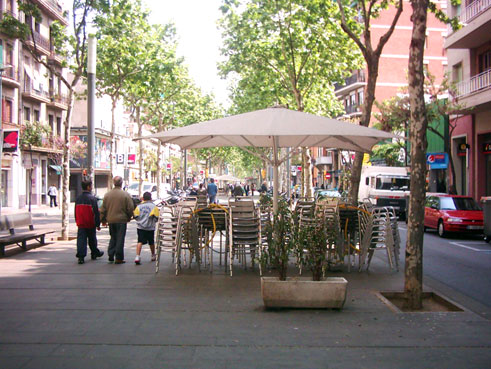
(122,34)
(287,52)
(72,45)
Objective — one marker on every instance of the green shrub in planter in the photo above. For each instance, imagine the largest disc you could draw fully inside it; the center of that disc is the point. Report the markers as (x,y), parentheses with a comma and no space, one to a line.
(278,233)
(311,245)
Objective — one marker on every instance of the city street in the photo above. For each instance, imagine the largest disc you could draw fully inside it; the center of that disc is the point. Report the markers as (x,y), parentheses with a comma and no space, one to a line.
(459,262)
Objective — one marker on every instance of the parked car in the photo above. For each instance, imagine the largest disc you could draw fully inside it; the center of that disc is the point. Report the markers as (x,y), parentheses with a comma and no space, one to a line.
(452,213)
(147,187)
(318,194)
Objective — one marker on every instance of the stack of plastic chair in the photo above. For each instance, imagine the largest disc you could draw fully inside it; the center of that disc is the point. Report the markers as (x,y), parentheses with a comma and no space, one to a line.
(167,235)
(378,235)
(244,229)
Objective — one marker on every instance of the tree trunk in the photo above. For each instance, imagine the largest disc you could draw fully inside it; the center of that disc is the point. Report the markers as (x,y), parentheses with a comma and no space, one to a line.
(65,202)
(372,75)
(413,286)
(140,153)
(159,151)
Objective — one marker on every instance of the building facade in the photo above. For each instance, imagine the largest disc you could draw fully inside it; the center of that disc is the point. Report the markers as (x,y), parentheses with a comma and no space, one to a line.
(469,67)
(34,108)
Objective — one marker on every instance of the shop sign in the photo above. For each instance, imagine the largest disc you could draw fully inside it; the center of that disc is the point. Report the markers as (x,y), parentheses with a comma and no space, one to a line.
(437,160)
(10,140)
(462,149)
(120,159)
(486,148)
(131,159)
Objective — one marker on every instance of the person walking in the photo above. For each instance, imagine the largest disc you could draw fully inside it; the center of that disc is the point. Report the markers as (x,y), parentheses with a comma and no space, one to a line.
(212,191)
(146,215)
(117,210)
(238,190)
(52,193)
(253,188)
(264,188)
(88,219)
(247,189)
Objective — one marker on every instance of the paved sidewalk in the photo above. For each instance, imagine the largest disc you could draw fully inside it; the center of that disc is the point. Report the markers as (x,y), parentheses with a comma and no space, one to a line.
(55,313)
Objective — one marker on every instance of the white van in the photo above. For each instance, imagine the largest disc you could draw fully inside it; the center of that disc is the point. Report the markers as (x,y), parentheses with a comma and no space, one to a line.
(385,186)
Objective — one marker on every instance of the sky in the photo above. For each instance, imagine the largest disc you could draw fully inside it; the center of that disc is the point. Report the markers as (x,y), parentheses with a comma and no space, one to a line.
(199,39)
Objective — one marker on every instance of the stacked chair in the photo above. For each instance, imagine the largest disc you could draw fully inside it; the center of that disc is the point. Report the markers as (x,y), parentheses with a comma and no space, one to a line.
(244,230)
(381,233)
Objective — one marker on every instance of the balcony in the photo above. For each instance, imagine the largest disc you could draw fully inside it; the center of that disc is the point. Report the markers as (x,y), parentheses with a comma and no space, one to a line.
(477,83)
(36,94)
(473,10)
(54,9)
(42,43)
(10,77)
(356,80)
(58,101)
(56,58)
(476,18)
(476,91)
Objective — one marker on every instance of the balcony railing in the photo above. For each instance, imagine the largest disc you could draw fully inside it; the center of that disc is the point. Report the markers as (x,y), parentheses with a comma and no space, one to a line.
(350,109)
(358,76)
(11,73)
(474,9)
(29,89)
(42,42)
(59,98)
(475,84)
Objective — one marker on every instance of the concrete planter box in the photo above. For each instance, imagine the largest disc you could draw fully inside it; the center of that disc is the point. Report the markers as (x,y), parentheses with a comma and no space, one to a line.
(303,292)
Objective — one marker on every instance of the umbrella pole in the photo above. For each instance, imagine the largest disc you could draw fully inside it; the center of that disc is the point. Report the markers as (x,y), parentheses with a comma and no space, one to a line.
(275,175)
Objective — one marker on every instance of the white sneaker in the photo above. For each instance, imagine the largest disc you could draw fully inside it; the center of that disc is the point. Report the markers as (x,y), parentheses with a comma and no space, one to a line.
(154,258)
(137,260)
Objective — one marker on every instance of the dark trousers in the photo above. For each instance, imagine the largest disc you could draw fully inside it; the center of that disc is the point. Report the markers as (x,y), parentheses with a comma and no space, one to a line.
(116,244)
(52,200)
(83,235)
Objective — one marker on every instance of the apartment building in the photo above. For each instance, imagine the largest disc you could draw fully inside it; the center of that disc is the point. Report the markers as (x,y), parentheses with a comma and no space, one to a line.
(33,101)
(469,66)
(392,75)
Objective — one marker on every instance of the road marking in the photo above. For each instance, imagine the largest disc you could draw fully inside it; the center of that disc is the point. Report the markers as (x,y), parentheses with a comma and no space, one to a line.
(468,247)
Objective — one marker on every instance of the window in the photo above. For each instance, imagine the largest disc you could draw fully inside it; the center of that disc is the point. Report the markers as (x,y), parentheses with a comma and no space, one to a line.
(37,27)
(51,122)
(457,73)
(58,126)
(9,55)
(27,114)
(7,111)
(36,115)
(360,97)
(485,61)
(353,100)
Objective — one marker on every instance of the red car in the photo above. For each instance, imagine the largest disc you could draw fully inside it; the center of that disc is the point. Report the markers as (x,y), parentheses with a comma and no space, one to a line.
(452,213)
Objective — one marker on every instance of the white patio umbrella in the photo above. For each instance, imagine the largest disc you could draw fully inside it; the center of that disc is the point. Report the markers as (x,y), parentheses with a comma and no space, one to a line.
(227,177)
(274,127)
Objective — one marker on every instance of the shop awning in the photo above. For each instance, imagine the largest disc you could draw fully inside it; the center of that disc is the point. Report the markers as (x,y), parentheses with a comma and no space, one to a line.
(56,168)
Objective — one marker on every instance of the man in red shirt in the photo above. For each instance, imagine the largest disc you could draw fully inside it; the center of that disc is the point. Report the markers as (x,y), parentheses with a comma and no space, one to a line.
(88,220)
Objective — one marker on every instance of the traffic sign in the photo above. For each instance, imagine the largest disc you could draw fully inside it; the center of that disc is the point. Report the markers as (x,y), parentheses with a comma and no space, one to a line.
(328,175)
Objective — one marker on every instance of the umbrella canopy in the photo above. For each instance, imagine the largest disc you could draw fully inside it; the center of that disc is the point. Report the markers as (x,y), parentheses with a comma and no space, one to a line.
(261,128)
(227,177)
(274,127)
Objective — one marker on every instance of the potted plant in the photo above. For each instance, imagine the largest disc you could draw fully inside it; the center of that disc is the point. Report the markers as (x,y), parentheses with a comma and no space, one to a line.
(309,240)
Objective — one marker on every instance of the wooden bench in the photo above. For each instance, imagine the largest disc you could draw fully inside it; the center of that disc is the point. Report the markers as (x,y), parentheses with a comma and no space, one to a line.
(15,224)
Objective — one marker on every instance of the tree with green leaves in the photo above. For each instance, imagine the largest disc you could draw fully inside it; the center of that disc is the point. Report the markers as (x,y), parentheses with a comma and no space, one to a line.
(285,52)
(355,21)
(122,34)
(71,45)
